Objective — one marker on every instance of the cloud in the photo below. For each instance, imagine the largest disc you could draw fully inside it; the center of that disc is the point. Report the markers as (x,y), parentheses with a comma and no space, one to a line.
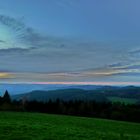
(96,74)
(34,52)
(134,54)
(14,51)
(20,35)
(2,41)
(32,56)
(4,75)
(23,35)
(65,76)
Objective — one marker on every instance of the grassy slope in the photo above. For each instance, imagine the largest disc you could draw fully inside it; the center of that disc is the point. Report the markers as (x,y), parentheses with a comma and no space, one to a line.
(123,100)
(26,126)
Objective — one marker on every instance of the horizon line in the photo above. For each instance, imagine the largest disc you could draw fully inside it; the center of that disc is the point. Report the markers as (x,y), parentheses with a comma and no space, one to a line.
(77,83)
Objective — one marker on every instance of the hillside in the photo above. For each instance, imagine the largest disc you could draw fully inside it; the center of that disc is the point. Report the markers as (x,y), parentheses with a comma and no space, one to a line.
(63,94)
(128,94)
(23,88)
(28,126)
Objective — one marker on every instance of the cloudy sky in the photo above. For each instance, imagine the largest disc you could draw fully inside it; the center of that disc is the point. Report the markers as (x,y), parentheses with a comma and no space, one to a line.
(70,41)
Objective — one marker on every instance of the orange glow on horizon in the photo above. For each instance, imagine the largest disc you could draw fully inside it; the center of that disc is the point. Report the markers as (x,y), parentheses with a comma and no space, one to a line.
(78,83)
(5,75)
(88,83)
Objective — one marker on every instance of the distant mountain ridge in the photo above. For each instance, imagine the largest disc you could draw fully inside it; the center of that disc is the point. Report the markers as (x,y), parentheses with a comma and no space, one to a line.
(62,94)
(24,88)
(98,94)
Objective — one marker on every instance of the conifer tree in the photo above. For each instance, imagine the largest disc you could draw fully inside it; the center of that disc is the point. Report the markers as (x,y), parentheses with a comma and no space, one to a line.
(6,97)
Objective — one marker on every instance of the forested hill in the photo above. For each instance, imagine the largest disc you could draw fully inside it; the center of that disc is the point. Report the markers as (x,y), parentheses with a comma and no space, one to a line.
(65,94)
(101,94)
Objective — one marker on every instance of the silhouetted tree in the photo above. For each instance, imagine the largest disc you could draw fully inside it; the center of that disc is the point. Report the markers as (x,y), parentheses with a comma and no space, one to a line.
(0,100)
(6,97)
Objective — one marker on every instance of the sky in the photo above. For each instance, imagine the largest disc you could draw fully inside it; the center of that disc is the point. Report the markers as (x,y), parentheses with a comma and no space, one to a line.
(70,41)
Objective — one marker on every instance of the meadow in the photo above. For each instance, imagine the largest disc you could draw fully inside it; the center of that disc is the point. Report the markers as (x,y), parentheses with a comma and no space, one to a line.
(123,100)
(37,126)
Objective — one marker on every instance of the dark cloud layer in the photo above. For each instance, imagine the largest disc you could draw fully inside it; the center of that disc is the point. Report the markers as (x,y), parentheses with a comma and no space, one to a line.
(14,51)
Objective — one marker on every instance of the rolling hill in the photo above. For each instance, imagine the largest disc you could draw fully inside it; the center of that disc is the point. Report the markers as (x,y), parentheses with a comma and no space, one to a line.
(101,94)
(24,88)
(63,94)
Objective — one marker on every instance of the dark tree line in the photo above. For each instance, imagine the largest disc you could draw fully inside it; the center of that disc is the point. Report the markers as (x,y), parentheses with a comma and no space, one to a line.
(107,110)
(6,99)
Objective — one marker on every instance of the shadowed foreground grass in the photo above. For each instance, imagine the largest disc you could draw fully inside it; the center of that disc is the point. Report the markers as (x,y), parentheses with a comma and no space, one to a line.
(35,126)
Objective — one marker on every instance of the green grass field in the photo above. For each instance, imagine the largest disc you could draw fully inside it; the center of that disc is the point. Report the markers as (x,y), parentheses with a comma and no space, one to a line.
(123,100)
(35,126)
